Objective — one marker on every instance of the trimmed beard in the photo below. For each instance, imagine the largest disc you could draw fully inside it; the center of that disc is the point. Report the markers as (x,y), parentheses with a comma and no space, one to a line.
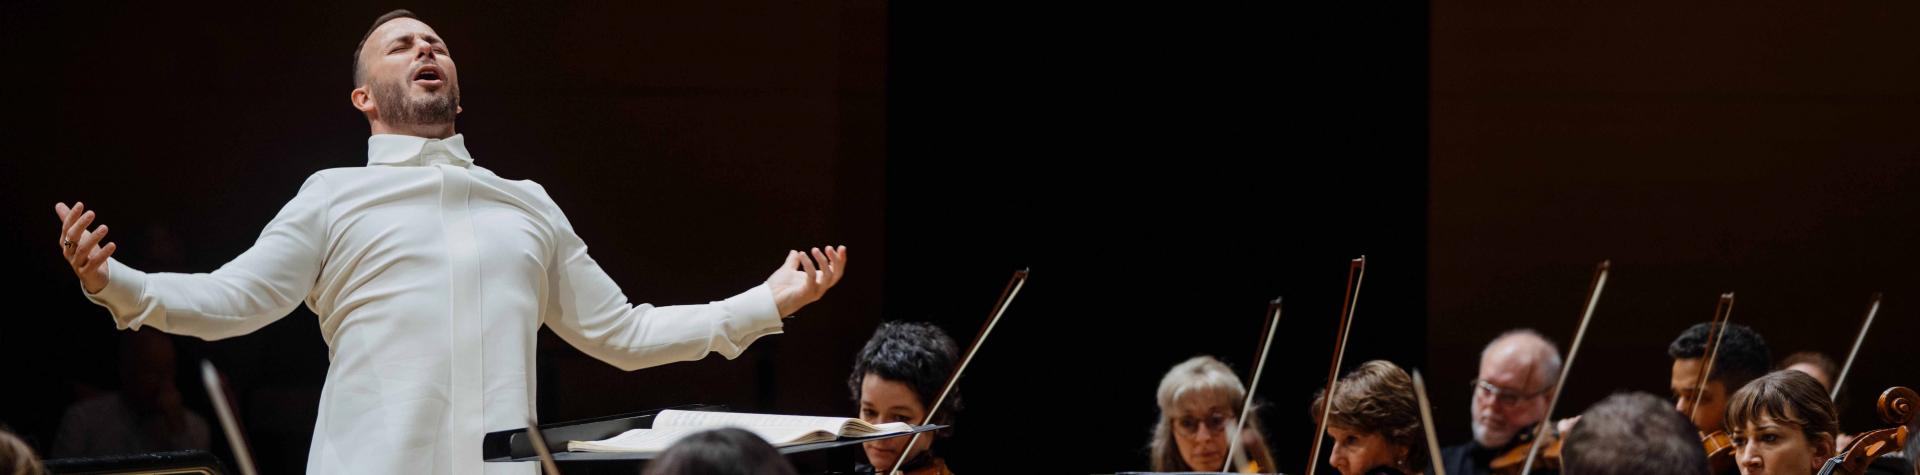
(433,109)
(1481,434)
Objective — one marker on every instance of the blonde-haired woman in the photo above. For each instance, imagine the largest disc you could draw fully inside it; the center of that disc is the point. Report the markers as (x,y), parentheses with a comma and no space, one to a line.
(1200,402)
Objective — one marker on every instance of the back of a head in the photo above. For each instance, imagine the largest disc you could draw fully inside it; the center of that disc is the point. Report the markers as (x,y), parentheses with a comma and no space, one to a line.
(1633,433)
(1742,356)
(727,451)
(16,458)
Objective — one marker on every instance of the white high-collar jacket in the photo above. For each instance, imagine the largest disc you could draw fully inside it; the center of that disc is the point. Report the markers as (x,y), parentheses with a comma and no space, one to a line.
(431,277)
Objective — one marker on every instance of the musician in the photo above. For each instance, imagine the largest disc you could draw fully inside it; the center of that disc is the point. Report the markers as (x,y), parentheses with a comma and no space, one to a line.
(1822,368)
(1374,422)
(1818,365)
(1200,402)
(1742,356)
(431,277)
(1781,423)
(1510,395)
(1632,434)
(896,378)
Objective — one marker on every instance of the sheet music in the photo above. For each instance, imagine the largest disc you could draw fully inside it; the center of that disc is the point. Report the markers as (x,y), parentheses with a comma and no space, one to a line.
(779,430)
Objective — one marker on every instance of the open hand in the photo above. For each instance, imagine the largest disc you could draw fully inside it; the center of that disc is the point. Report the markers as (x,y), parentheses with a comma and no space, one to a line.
(805,277)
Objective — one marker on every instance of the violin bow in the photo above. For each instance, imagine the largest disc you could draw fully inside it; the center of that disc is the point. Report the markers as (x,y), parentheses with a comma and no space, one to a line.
(1356,272)
(1716,331)
(1586,316)
(1872,309)
(1426,422)
(1246,405)
(1006,299)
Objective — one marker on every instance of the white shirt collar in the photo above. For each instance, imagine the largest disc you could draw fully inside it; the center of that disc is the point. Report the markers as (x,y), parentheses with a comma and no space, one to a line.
(407,150)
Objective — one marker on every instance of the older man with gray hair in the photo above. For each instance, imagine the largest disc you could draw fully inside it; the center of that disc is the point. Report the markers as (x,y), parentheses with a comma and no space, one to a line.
(1510,395)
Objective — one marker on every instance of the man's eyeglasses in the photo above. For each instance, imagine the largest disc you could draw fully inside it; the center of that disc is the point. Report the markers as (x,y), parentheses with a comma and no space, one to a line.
(1216,423)
(1506,397)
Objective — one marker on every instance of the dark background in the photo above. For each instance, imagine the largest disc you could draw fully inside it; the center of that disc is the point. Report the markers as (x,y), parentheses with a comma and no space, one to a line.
(1164,173)
(1763,150)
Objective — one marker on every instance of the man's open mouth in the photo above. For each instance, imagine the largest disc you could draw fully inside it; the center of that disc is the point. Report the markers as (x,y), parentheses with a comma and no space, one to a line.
(428,76)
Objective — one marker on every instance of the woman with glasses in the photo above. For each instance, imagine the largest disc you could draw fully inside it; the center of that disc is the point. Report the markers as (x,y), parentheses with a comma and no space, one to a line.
(1200,402)
(1374,422)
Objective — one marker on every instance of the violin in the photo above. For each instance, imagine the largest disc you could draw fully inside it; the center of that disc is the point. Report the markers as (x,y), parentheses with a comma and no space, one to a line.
(1720,451)
(1514,459)
(1544,450)
(1897,408)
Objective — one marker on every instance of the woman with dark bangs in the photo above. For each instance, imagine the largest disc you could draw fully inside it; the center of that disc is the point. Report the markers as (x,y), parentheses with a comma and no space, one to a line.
(1782,423)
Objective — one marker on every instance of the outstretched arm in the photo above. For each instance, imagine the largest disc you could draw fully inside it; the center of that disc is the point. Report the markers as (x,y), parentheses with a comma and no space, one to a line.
(587,309)
(260,286)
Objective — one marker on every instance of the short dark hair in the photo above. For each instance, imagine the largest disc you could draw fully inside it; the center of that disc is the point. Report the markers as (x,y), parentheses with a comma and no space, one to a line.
(725,451)
(360,71)
(1633,433)
(917,354)
(1742,357)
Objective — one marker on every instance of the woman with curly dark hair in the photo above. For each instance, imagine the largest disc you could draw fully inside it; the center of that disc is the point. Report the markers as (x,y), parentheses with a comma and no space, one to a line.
(896,378)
